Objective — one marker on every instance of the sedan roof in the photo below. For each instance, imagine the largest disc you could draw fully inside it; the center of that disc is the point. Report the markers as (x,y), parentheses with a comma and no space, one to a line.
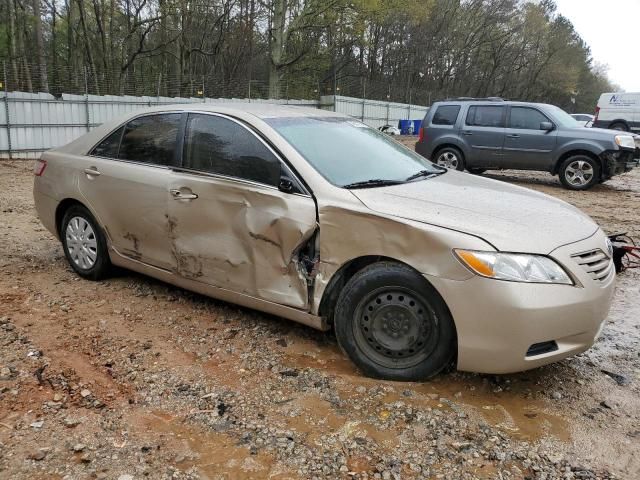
(260,110)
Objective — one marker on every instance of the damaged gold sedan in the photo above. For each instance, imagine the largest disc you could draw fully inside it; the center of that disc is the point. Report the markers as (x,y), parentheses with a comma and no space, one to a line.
(320,219)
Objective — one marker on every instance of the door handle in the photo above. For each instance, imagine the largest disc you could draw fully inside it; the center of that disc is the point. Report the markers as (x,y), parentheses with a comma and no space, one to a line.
(178,195)
(467,133)
(513,135)
(93,171)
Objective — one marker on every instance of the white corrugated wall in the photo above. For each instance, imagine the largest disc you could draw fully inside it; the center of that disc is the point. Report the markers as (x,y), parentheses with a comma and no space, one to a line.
(39,121)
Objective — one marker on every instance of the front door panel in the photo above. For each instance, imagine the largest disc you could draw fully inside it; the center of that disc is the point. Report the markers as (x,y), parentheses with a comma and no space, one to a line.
(240,236)
(525,145)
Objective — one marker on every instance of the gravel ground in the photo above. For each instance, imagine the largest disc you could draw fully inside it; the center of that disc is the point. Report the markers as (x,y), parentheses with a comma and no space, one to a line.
(133,378)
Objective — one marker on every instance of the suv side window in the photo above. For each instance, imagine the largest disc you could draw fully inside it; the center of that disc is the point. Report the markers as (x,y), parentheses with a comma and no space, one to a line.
(151,139)
(526,118)
(446,115)
(218,145)
(109,146)
(485,116)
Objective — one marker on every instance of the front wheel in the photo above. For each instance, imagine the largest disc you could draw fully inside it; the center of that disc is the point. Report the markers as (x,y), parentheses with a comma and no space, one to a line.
(394,325)
(579,172)
(476,171)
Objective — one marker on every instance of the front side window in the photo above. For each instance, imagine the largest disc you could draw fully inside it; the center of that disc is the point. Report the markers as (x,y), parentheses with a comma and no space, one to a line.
(526,118)
(109,146)
(485,116)
(221,146)
(446,115)
(347,152)
(151,139)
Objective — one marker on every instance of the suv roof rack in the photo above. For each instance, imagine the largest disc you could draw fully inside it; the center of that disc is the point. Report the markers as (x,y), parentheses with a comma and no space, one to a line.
(473,99)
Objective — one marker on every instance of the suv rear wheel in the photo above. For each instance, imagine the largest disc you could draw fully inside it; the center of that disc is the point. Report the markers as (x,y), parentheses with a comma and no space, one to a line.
(450,157)
(579,172)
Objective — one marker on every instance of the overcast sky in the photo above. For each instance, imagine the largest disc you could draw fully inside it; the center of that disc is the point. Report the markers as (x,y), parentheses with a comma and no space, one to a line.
(610,28)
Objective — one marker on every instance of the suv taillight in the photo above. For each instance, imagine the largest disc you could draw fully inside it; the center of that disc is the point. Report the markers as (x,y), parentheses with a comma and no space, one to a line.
(38,168)
(421,134)
(597,112)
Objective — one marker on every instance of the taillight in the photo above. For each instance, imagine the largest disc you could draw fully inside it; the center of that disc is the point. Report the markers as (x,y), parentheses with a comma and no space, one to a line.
(597,112)
(421,134)
(38,168)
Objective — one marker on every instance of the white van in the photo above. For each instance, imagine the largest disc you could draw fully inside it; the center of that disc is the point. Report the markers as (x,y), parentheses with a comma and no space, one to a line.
(618,111)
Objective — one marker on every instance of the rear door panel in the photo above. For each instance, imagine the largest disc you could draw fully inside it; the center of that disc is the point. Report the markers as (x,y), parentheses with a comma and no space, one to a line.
(484,134)
(130,201)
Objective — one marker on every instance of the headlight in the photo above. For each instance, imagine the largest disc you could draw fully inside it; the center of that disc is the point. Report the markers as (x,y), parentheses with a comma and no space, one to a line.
(515,267)
(625,141)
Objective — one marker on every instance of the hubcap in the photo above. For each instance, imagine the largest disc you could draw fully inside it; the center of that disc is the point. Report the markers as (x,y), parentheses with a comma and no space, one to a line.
(82,244)
(395,328)
(448,160)
(579,173)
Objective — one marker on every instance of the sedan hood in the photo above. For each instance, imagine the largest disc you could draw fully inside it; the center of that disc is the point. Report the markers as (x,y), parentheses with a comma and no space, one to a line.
(511,218)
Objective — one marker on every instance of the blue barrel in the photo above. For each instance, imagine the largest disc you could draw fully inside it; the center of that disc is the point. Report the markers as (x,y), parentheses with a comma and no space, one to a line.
(416,126)
(405,126)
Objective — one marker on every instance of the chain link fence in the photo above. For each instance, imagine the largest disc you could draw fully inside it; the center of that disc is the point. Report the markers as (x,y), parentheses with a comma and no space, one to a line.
(23,76)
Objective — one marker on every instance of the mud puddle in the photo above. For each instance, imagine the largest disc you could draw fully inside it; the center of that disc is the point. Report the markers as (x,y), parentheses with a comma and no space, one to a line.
(212,455)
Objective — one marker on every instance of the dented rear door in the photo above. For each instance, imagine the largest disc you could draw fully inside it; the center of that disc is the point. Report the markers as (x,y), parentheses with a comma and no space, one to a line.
(229,224)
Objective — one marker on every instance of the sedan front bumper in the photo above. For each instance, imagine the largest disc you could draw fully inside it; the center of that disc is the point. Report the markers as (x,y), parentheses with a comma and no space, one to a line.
(498,322)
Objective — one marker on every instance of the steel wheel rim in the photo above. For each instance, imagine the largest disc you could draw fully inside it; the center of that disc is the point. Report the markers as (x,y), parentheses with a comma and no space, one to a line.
(448,160)
(81,242)
(395,328)
(579,173)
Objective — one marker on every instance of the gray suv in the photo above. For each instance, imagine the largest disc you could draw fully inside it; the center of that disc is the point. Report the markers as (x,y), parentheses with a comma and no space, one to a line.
(493,134)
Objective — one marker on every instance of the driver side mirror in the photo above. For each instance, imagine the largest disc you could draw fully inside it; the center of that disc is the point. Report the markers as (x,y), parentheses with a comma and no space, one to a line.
(285,185)
(546,126)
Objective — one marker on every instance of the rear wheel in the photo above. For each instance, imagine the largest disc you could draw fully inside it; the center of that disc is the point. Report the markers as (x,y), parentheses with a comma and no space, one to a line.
(84,244)
(393,324)
(579,172)
(451,158)
(619,126)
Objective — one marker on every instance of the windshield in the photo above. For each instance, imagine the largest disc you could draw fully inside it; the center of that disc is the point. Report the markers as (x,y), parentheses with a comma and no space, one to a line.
(347,152)
(563,118)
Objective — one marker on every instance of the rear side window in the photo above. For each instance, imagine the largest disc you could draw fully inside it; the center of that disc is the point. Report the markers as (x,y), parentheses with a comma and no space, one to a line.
(109,146)
(485,116)
(446,115)
(526,118)
(221,146)
(151,139)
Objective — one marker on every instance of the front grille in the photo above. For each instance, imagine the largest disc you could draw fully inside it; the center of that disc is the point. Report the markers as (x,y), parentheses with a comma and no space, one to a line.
(595,262)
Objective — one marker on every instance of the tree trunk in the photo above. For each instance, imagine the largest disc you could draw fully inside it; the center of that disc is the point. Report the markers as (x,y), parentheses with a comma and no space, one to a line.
(40,52)
(12,44)
(276,46)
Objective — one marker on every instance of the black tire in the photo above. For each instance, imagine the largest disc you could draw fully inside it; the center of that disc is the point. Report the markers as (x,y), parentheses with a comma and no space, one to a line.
(619,126)
(393,324)
(92,244)
(450,157)
(590,172)
(476,171)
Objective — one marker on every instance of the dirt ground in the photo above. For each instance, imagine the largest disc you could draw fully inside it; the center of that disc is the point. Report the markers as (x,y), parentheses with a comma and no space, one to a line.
(133,378)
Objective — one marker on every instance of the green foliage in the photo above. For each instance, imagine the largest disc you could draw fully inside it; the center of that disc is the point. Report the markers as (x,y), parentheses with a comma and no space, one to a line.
(418,50)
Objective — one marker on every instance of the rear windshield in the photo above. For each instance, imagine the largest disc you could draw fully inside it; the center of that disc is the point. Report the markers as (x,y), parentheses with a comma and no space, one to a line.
(345,151)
